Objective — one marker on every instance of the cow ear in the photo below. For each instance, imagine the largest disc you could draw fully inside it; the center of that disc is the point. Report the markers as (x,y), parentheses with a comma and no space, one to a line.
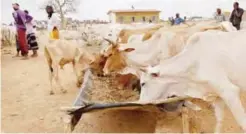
(129,49)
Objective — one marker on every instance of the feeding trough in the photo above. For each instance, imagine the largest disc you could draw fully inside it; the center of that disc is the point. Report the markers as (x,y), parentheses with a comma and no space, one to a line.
(130,117)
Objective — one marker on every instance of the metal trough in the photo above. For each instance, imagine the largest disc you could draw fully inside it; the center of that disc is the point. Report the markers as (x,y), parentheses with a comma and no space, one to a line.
(121,111)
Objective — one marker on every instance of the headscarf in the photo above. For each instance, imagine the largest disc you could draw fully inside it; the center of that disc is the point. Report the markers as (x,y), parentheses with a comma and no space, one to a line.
(51,12)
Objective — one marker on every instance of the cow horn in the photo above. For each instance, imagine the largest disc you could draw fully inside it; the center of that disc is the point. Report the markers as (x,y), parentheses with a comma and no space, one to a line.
(111,42)
(143,69)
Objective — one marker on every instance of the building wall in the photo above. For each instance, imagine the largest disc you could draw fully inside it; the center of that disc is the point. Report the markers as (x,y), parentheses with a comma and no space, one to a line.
(127,18)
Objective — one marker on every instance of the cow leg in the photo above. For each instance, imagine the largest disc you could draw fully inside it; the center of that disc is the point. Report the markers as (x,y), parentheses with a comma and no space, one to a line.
(230,94)
(236,107)
(51,77)
(58,81)
(78,83)
(51,69)
(219,113)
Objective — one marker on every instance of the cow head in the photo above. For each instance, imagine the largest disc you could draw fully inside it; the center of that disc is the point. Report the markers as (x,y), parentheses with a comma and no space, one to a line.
(81,63)
(98,64)
(156,87)
(115,58)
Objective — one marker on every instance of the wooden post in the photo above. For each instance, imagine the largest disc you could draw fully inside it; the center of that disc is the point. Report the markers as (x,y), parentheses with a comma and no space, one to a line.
(185,120)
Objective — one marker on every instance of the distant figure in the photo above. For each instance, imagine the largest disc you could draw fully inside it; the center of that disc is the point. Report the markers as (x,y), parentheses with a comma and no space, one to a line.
(178,20)
(219,17)
(30,31)
(53,23)
(236,15)
(172,21)
(20,20)
(185,18)
(150,21)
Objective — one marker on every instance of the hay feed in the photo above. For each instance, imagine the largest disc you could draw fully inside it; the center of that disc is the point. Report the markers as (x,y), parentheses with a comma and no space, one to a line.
(104,91)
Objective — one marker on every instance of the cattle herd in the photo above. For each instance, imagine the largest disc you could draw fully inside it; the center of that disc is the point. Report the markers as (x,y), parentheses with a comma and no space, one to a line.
(204,60)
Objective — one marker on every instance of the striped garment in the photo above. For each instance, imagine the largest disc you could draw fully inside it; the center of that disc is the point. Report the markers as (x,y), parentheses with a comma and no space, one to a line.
(31,41)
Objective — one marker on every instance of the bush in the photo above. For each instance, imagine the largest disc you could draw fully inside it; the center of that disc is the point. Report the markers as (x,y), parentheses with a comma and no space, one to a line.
(7,37)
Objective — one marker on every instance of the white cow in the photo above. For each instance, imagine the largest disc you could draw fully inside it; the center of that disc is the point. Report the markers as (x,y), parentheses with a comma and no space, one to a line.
(70,35)
(211,65)
(165,43)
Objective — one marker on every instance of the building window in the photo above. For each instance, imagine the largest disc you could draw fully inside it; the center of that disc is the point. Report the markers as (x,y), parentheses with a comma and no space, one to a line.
(133,19)
(144,19)
(121,19)
(153,18)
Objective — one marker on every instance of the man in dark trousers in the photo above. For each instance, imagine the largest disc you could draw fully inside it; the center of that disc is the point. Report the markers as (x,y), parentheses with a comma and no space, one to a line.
(236,15)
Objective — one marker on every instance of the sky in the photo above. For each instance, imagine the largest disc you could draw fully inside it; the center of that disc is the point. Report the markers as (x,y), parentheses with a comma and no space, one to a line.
(97,9)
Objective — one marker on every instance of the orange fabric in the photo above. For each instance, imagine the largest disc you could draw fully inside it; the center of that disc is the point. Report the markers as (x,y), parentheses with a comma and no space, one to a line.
(54,34)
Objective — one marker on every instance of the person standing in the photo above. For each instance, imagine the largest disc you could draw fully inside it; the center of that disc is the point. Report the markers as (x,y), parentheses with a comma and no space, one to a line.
(172,21)
(236,15)
(53,23)
(219,17)
(20,19)
(31,38)
(178,20)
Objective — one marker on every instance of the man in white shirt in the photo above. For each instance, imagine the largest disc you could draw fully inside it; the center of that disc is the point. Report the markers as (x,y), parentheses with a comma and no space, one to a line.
(219,17)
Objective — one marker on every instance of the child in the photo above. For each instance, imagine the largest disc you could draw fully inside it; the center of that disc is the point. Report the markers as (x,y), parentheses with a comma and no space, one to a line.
(31,38)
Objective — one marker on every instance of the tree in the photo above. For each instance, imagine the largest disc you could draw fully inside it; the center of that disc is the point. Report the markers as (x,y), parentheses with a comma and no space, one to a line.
(62,8)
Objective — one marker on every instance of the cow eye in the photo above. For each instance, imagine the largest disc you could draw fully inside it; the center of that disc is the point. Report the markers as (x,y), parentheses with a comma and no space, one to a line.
(154,74)
(142,84)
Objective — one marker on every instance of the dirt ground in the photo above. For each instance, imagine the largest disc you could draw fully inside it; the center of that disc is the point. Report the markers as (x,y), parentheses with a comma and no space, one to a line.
(28,107)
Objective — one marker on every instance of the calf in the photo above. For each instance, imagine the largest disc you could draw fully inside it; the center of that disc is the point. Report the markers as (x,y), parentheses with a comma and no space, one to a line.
(61,52)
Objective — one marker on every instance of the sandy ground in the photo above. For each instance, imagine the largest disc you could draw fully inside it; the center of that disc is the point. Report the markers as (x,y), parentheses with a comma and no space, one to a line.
(28,107)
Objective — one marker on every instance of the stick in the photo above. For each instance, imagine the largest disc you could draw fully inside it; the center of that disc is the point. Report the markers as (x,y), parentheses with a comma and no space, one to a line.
(185,120)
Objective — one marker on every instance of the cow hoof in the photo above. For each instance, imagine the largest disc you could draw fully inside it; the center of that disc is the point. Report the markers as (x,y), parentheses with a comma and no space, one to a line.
(64,91)
(52,93)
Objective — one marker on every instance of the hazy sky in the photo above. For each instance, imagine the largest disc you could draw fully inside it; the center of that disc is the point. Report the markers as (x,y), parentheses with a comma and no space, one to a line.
(93,9)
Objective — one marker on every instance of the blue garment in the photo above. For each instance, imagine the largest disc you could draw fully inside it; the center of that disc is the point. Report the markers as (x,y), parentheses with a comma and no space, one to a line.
(177,21)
